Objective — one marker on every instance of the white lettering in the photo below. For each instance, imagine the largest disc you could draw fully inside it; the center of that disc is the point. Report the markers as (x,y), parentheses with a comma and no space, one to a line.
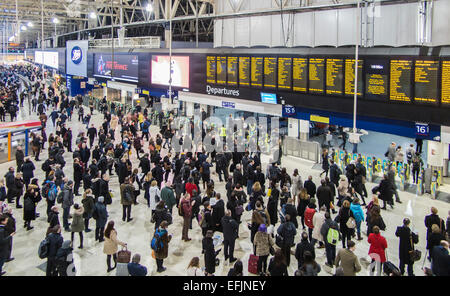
(215,91)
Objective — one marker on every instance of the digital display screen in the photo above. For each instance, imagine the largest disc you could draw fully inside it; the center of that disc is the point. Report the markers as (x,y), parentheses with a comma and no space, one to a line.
(268,98)
(284,73)
(426,81)
(445,87)
(257,71)
(244,71)
(270,72)
(335,76)
(39,57)
(299,74)
(350,77)
(316,75)
(211,69)
(126,67)
(400,83)
(161,70)
(377,76)
(221,70)
(232,70)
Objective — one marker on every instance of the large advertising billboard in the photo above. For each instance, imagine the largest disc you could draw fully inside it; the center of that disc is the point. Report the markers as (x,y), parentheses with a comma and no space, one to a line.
(47,58)
(76,57)
(126,67)
(161,70)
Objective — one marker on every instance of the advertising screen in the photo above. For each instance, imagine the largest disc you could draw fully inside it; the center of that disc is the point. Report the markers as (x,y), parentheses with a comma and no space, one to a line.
(268,98)
(126,67)
(51,59)
(38,57)
(161,70)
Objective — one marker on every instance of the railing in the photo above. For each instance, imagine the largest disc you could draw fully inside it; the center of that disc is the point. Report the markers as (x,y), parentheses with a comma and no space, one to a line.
(301,149)
(128,42)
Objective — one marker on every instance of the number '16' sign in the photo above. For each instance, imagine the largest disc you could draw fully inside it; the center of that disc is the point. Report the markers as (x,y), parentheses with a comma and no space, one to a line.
(422,129)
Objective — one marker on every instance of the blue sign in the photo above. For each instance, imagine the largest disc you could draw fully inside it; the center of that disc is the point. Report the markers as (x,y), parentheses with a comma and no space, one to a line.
(422,129)
(76,55)
(289,110)
(268,98)
(138,91)
(228,105)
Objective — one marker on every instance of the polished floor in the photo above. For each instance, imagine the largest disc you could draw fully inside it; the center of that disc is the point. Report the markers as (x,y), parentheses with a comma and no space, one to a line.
(91,261)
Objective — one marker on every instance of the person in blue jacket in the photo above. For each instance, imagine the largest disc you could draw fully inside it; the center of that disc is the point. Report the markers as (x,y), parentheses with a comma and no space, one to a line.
(358,213)
(136,269)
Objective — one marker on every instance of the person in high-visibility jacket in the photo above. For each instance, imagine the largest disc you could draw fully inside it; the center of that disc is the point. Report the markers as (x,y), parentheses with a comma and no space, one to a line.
(223,133)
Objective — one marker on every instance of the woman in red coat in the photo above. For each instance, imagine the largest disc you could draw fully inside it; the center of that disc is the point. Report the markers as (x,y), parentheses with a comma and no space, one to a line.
(377,249)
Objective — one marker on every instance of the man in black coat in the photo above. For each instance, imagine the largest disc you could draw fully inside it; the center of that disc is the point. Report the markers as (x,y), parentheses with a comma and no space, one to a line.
(433,218)
(10,185)
(310,187)
(230,233)
(55,242)
(290,210)
(10,228)
(303,246)
(92,132)
(20,156)
(406,237)
(324,195)
(5,241)
(440,260)
(237,176)
(335,171)
(144,164)
(218,213)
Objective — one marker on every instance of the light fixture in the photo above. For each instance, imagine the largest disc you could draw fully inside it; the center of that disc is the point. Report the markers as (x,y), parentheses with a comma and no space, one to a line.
(149,7)
(11,38)
(92,15)
(30,24)
(23,28)
(55,20)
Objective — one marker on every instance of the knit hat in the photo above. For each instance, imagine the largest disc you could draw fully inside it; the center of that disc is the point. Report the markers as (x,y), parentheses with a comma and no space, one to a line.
(262,228)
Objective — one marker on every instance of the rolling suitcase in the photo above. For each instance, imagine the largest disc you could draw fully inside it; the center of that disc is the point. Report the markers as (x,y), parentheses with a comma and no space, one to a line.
(253,264)
(389,267)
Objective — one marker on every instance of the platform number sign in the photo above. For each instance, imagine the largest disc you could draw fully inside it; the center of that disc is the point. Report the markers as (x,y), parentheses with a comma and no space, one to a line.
(289,110)
(422,129)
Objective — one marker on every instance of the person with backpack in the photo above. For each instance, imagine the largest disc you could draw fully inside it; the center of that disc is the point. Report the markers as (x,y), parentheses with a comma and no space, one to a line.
(205,220)
(210,253)
(287,233)
(335,172)
(230,233)
(5,242)
(161,214)
(377,250)
(263,244)
(64,258)
(218,212)
(417,164)
(331,236)
(53,242)
(50,192)
(100,215)
(160,245)
(111,245)
(358,213)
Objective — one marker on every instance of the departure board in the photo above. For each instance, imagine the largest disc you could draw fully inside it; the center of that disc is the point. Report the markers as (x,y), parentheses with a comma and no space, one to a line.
(299,74)
(349,85)
(232,70)
(257,71)
(270,72)
(445,95)
(400,83)
(210,69)
(221,70)
(335,76)
(316,75)
(284,73)
(426,81)
(377,76)
(244,71)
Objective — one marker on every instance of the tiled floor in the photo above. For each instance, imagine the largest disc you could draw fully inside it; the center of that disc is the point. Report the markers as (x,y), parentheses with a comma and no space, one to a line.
(92,261)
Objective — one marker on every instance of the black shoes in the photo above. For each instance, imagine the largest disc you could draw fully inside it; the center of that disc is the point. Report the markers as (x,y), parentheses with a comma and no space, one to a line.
(18,207)
(10,259)
(129,219)
(162,269)
(233,260)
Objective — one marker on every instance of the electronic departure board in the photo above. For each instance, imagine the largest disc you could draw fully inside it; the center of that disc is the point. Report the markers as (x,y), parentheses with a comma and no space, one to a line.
(221,70)
(400,84)
(210,69)
(377,73)
(232,70)
(349,85)
(244,71)
(284,73)
(426,81)
(257,71)
(270,72)
(299,74)
(316,75)
(335,76)
(445,86)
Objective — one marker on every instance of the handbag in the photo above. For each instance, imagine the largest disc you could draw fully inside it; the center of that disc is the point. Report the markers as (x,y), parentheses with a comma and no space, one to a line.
(239,210)
(124,256)
(414,254)
(351,223)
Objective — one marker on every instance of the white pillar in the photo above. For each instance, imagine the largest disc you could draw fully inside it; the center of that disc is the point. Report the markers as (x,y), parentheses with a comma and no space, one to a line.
(304,130)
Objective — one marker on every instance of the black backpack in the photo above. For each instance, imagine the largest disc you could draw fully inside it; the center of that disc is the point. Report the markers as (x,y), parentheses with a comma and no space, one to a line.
(44,248)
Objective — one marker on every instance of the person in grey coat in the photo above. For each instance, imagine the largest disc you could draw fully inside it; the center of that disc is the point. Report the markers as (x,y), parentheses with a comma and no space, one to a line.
(390,154)
(66,199)
(391,178)
(101,216)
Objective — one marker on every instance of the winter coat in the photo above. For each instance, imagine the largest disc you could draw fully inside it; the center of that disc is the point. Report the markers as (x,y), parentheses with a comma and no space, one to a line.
(377,222)
(230,228)
(217,214)
(168,197)
(154,191)
(161,214)
(344,215)
(210,255)
(300,250)
(165,239)
(88,205)
(348,261)
(262,242)
(77,221)
(27,169)
(297,185)
(67,194)
(405,234)
(287,231)
(357,212)
(111,244)
(126,188)
(272,209)
(309,215)
(290,210)
(102,215)
(318,220)
(186,206)
(440,261)
(386,190)
(29,206)
(378,244)
(310,188)
(324,196)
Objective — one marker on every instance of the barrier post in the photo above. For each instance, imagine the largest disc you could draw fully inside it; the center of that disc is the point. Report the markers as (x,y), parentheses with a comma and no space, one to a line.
(9,146)
(420,182)
(26,142)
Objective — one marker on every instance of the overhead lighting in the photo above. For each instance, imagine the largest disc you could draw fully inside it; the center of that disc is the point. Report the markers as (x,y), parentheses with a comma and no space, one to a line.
(55,20)
(92,15)
(24,28)
(149,7)
(30,24)
(11,38)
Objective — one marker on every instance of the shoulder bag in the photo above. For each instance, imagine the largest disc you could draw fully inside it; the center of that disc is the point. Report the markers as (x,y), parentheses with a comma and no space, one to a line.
(414,254)
(351,222)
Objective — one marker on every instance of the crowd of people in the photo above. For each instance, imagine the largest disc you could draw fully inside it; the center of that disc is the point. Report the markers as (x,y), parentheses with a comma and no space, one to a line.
(181,184)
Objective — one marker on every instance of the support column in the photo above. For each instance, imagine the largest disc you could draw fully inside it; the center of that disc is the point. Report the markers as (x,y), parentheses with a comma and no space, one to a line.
(304,129)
